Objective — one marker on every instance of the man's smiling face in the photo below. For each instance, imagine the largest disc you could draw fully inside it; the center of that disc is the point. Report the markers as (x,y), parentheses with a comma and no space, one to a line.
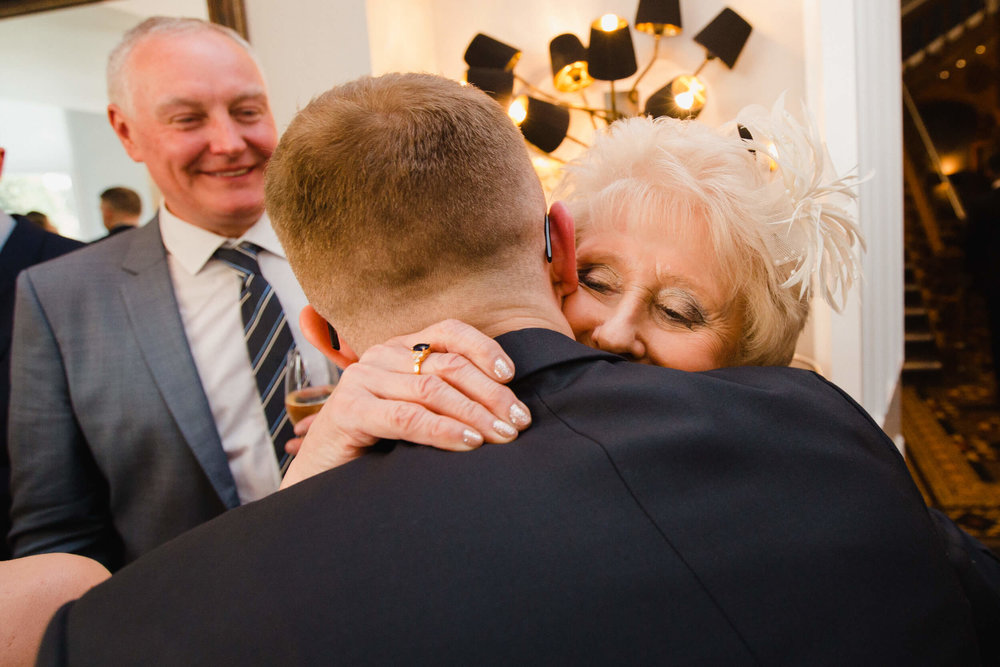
(199,118)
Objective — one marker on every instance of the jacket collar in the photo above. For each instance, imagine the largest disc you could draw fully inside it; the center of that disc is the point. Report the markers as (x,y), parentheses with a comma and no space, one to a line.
(533,350)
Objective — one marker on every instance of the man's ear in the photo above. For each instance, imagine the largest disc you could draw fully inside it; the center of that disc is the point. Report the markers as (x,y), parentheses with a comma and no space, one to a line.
(122,127)
(322,336)
(563,235)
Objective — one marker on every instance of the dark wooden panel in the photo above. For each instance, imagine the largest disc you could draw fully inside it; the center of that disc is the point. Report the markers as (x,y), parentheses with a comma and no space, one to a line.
(18,7)
(230,13)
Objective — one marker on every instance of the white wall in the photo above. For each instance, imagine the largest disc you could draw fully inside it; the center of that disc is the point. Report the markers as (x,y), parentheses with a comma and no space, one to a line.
(306,47)
(853,74)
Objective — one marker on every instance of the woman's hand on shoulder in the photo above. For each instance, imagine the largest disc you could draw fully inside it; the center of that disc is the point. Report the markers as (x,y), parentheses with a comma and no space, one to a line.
(456,402)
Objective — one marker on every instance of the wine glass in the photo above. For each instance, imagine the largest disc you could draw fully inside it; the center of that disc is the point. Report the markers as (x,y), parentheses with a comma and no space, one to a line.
(302,398)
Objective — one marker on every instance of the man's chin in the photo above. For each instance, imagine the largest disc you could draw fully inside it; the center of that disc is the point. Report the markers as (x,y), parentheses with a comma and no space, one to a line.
(234,221)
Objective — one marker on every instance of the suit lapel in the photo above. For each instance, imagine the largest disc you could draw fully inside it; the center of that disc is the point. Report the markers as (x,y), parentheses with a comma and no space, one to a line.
(154,317)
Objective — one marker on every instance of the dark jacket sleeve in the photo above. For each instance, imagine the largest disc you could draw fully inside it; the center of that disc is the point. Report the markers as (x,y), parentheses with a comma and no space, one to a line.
(53,649)
(979,571)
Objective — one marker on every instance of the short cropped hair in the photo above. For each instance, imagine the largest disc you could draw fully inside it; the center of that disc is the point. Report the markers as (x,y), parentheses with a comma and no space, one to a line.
(124,200)
(390,191)
(660,172)
(119,85)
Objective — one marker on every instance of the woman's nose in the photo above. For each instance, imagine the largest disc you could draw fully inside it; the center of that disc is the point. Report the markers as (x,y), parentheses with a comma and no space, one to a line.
(620,332)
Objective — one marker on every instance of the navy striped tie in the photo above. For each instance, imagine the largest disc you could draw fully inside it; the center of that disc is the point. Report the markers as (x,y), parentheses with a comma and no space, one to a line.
(268,339)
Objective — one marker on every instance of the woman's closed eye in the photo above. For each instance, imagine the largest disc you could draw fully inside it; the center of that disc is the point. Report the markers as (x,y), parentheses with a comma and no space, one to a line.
(681,310)
(600,279)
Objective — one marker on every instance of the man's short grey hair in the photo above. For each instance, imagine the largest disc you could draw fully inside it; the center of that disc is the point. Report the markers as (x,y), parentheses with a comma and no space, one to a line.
(119,90)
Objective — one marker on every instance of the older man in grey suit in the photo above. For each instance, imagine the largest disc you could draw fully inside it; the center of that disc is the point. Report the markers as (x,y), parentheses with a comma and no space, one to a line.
(147,392)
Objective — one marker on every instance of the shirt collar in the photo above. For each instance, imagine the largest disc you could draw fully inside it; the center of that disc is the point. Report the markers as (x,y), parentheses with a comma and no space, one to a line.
(193,246)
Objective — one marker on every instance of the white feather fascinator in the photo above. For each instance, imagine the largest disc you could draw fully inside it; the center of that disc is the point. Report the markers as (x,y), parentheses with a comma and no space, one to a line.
(813,235)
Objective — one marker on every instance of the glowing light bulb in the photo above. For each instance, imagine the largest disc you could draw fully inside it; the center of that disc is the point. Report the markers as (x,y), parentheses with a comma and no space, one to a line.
(684,100)
(518,110)
(609,22)
(773,150)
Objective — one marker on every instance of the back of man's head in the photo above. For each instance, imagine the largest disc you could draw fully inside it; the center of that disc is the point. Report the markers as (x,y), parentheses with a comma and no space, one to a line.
(120,205)
(404,199)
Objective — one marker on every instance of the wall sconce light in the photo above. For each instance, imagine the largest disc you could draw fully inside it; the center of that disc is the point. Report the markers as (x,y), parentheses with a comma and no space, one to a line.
(610,56)
(542,123)
(497,83)
(684,97)
(570,71)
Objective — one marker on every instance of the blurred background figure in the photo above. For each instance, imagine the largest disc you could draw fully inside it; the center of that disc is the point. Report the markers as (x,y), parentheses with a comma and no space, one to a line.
(982,250)
(41,220)
(22,244)
(121,208)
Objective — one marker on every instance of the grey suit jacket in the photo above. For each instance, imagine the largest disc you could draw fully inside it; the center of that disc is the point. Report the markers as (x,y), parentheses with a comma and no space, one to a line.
(112,443)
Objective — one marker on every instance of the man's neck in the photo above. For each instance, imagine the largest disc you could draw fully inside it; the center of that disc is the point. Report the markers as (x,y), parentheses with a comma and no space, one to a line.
(526,321)
(492,319)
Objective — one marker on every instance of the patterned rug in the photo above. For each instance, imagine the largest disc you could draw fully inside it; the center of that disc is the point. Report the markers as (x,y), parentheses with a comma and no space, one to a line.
(951,420)
(953,447)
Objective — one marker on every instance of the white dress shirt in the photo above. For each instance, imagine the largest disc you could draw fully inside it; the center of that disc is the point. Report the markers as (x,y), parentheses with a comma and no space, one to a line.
(208,292)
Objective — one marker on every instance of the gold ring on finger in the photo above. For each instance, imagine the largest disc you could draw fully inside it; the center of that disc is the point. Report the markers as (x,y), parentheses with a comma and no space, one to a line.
(420,352)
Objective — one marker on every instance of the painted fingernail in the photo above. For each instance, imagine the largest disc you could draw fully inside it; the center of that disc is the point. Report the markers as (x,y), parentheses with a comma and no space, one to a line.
(504,429)
(502,370)
(519,416)
(471,438)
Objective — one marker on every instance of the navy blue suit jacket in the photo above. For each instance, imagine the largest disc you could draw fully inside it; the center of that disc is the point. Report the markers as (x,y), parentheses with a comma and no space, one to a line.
(649,516)
(26,246)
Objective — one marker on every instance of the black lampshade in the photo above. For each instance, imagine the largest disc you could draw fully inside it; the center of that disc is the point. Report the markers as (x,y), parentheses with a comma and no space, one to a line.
(725,36)
(569,63)
(497,83)
(683,98)
(610,55)
(659,17)
(544,124)
(484,51)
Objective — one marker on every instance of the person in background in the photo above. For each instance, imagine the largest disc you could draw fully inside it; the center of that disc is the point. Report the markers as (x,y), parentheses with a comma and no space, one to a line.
(982,251)
(750,515)
(42,221)
(22,244)
(147,369)
(121,208)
